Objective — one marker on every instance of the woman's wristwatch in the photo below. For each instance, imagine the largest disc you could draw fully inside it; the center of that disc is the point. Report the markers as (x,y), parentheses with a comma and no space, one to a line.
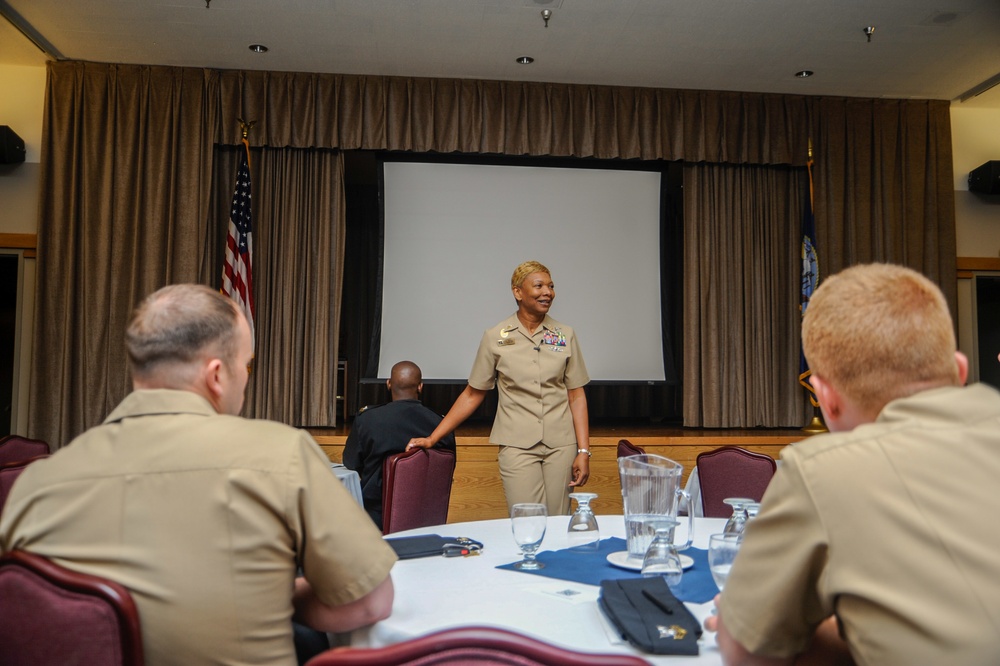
(587,451)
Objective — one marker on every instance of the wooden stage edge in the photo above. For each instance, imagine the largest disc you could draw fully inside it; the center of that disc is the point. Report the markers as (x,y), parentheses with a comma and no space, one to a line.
(640,434)
(477,492)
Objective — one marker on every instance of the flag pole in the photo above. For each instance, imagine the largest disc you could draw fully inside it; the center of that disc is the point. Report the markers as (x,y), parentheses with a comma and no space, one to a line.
(810,280)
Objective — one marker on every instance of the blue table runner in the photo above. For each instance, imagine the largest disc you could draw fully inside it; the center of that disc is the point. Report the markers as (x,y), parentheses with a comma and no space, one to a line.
(590,567)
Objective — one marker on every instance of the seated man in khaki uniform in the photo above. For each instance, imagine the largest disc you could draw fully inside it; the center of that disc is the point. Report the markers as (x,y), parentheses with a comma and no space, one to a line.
(204,516)
(874,543)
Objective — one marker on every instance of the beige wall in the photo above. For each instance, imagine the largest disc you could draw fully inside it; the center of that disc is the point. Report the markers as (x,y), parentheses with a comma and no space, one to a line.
(21,108)
(22,103)
(975,137)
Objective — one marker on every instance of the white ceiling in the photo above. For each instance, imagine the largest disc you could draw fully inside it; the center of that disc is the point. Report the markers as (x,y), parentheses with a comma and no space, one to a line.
(936,49)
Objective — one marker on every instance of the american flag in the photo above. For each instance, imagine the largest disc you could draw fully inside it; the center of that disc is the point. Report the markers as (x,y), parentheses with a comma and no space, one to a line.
(237,274)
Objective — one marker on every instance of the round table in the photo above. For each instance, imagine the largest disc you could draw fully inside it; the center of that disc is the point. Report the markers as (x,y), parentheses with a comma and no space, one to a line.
(434,593)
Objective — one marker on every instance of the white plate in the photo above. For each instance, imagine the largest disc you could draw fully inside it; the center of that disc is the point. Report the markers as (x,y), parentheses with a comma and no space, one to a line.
(621,559)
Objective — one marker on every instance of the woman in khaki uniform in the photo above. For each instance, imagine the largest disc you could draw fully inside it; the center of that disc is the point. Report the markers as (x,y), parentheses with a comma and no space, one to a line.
(541,424)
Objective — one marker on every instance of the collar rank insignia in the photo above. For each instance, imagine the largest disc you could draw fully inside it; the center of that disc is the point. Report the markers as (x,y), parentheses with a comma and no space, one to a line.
(504,332)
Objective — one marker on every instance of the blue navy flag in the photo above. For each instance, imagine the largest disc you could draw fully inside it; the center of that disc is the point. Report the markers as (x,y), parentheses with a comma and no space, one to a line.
(237,273)
(810,275)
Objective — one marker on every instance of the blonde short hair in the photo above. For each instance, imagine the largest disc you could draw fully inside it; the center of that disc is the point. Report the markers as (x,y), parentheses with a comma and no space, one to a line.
(878,332)
(526,269)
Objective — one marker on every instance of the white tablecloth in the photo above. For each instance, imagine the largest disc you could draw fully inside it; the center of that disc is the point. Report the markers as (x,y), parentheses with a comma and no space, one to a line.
(351,481)
(435,593)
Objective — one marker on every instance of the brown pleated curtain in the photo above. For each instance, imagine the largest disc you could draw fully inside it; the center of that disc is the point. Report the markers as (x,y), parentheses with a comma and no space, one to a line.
(742,281)
(130,202)
(299,237)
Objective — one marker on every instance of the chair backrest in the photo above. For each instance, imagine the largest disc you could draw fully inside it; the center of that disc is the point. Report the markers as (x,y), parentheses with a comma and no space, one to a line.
(471,645)
(52,616)
(732,472)
(627,448)
(9,473)
(416,488)
(14,448)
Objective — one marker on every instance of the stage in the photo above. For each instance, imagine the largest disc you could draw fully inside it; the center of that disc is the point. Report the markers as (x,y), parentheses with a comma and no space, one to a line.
(477,493)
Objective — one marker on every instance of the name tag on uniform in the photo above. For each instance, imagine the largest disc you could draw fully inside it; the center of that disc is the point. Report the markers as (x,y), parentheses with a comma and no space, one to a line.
(505,341)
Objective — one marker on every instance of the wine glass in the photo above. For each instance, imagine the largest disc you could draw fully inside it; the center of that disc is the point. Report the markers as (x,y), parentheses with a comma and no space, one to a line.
(582,531)
(527,522)
(722,550)
(661,558)
(752,509)
(738,520)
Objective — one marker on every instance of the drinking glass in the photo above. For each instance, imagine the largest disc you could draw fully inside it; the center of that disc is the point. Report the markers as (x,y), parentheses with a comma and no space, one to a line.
(582,531)
(752,509)
(722,550)
(738,520)
(527,522)
(662,559)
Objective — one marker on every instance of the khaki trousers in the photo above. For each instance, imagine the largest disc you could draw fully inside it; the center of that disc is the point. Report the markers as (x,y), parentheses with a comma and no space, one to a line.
(539,474)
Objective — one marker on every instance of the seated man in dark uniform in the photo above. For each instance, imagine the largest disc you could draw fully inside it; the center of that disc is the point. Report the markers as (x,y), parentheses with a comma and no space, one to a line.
(381,431)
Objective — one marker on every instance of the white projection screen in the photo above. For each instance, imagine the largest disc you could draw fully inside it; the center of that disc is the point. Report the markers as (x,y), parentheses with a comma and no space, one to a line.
(453,234)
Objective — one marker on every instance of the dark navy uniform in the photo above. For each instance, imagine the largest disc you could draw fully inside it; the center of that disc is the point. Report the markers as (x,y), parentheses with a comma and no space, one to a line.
(379,432)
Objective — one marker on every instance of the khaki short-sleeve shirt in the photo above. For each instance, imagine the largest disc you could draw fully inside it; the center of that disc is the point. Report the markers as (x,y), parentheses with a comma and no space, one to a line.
(887,526)
(203,518)
(532,373)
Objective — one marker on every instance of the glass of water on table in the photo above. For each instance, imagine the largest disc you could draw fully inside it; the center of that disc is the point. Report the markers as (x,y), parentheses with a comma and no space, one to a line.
(722,550)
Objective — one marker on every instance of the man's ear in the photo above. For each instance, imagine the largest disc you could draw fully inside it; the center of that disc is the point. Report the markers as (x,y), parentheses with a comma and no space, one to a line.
(213,382)
(963,367)
(827,396)
(388,385)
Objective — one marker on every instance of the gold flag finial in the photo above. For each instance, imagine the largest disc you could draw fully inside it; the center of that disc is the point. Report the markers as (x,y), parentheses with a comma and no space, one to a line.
(246,126)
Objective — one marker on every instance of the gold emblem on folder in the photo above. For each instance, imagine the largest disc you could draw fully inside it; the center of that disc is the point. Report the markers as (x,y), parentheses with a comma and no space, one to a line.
(674,631)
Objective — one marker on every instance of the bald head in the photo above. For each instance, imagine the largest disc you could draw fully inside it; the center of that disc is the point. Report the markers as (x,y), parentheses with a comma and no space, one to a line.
(405,381)
(175,327)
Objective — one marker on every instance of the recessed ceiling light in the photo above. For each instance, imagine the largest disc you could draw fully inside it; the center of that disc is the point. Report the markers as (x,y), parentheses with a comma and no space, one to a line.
(525,60)
(258,48)
(804,74)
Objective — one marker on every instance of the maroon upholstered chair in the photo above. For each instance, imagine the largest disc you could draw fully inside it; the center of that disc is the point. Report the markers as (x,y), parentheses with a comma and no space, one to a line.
(471,645)
(627,448)
(416,488)
(14,448)
(51,616)
(732,472)
(9,473)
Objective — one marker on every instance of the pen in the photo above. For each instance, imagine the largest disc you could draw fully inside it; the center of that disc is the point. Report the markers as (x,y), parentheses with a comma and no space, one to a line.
(656,602)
